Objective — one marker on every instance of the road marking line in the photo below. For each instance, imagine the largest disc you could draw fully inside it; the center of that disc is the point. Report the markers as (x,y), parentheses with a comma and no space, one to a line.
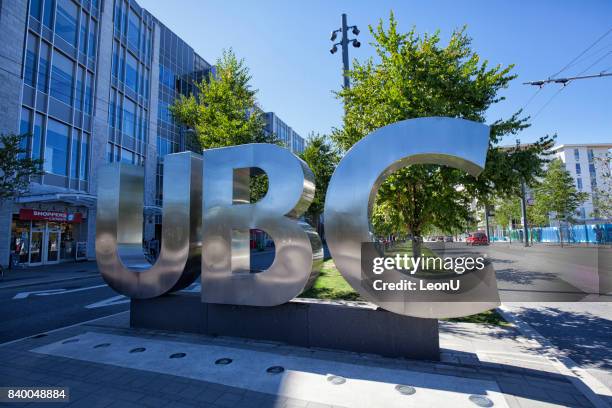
(588,385)
(24,295)
(53,292)
(115,300)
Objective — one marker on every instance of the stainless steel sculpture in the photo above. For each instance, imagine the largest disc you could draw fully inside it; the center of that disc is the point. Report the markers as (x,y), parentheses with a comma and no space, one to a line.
(119,225)
(453,142)
(228,216)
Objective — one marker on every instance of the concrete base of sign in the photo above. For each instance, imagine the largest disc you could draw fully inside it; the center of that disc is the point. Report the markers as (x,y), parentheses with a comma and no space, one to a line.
(351,326)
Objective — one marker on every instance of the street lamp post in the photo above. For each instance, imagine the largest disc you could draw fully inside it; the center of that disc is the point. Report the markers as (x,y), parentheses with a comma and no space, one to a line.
(344,42)
(523,203)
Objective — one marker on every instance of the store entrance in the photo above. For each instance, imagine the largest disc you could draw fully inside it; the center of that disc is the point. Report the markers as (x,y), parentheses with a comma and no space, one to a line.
(38,242)
(44,243)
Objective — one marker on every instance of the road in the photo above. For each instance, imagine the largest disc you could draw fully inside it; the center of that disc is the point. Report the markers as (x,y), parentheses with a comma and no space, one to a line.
(56,305)
(29,310)
(548,288)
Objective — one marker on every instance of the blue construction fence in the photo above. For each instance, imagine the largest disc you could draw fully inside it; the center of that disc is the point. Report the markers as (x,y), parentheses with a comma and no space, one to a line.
(589,233)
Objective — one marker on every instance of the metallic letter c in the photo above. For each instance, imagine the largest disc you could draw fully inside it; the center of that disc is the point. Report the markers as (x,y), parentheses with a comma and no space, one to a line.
(453,142)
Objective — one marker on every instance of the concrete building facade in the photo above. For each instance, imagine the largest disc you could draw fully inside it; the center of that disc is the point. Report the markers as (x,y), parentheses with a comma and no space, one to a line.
(587,165)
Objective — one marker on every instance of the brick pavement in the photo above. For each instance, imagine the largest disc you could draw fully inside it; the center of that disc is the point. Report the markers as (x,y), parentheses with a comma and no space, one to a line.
(468,351)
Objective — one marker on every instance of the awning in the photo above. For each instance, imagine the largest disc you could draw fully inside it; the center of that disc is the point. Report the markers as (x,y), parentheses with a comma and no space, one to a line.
(77,199)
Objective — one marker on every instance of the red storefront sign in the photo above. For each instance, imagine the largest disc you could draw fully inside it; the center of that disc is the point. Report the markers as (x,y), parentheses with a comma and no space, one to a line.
(27,214)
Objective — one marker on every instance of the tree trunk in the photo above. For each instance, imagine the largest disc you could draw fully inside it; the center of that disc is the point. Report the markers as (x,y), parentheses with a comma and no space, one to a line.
(416,246)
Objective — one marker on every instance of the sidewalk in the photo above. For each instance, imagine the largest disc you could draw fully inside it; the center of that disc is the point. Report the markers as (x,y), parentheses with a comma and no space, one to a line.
(106,364)
(35,275)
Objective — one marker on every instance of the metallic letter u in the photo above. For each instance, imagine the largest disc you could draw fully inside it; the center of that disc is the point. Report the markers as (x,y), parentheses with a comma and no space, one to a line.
(119,227)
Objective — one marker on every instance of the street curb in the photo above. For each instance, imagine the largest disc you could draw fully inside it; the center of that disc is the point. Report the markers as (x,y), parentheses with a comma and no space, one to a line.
(588,385)
(23,285)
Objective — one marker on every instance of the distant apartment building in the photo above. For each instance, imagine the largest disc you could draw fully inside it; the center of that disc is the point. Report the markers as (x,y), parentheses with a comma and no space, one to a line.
(581,161)
(289,137)
(92,82)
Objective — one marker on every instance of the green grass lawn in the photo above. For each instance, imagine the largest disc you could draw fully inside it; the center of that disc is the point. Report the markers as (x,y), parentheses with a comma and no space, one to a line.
(331,285)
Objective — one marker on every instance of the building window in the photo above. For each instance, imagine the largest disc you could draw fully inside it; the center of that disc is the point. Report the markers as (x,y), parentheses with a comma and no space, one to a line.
(92,39)
(590,155)
(80,88)
(56,148)
(578,168)
(592,169)
(89,94)
(74,155)
(43,68)
(31,57)
(84,161)
(35,9)
(83,36)
(115,61)
(131,72)
(61,78)
(118,15)
(37,136)
(24,129)
(576,155)
(48,13)
(134,30)
(109,152)
(66,24)
(579,183)
(129,117)
(127,156)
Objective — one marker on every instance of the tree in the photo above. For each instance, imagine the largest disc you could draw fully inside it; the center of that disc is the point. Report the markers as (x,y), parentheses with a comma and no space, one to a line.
(322,158)
(557,195)
(507,210)
(602,193)
(413,77)
(16,168)
(223,111)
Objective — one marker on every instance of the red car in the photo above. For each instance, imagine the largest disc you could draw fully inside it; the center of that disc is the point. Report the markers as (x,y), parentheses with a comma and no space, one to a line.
(477,238)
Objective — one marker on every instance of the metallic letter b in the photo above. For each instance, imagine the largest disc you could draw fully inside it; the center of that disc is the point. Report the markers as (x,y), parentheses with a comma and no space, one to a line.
(228,216)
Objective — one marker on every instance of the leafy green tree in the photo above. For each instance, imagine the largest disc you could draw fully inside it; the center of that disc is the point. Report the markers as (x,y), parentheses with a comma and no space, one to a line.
(224,112)
(322,158)
(507,210)
(602,193)
(557,195)
(16,168)
(415,76)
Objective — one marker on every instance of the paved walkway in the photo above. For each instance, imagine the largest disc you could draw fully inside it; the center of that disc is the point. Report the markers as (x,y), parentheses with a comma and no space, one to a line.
(498,363)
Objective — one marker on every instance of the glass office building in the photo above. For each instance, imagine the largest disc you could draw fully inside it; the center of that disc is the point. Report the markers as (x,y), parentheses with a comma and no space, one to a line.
(290,138)
(91,81)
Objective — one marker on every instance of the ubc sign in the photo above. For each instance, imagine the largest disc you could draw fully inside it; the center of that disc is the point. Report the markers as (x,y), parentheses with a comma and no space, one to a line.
(207,216)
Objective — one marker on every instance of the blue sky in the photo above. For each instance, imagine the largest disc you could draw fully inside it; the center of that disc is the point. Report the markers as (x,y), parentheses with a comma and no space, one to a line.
(286,45)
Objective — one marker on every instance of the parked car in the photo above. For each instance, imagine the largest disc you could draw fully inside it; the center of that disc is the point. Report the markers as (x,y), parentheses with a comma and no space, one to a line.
(448,239)
(477,238)
(440,239)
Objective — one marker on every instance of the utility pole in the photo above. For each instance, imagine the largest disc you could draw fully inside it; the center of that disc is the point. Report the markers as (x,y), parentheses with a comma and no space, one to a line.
(523,203)
(344,42)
